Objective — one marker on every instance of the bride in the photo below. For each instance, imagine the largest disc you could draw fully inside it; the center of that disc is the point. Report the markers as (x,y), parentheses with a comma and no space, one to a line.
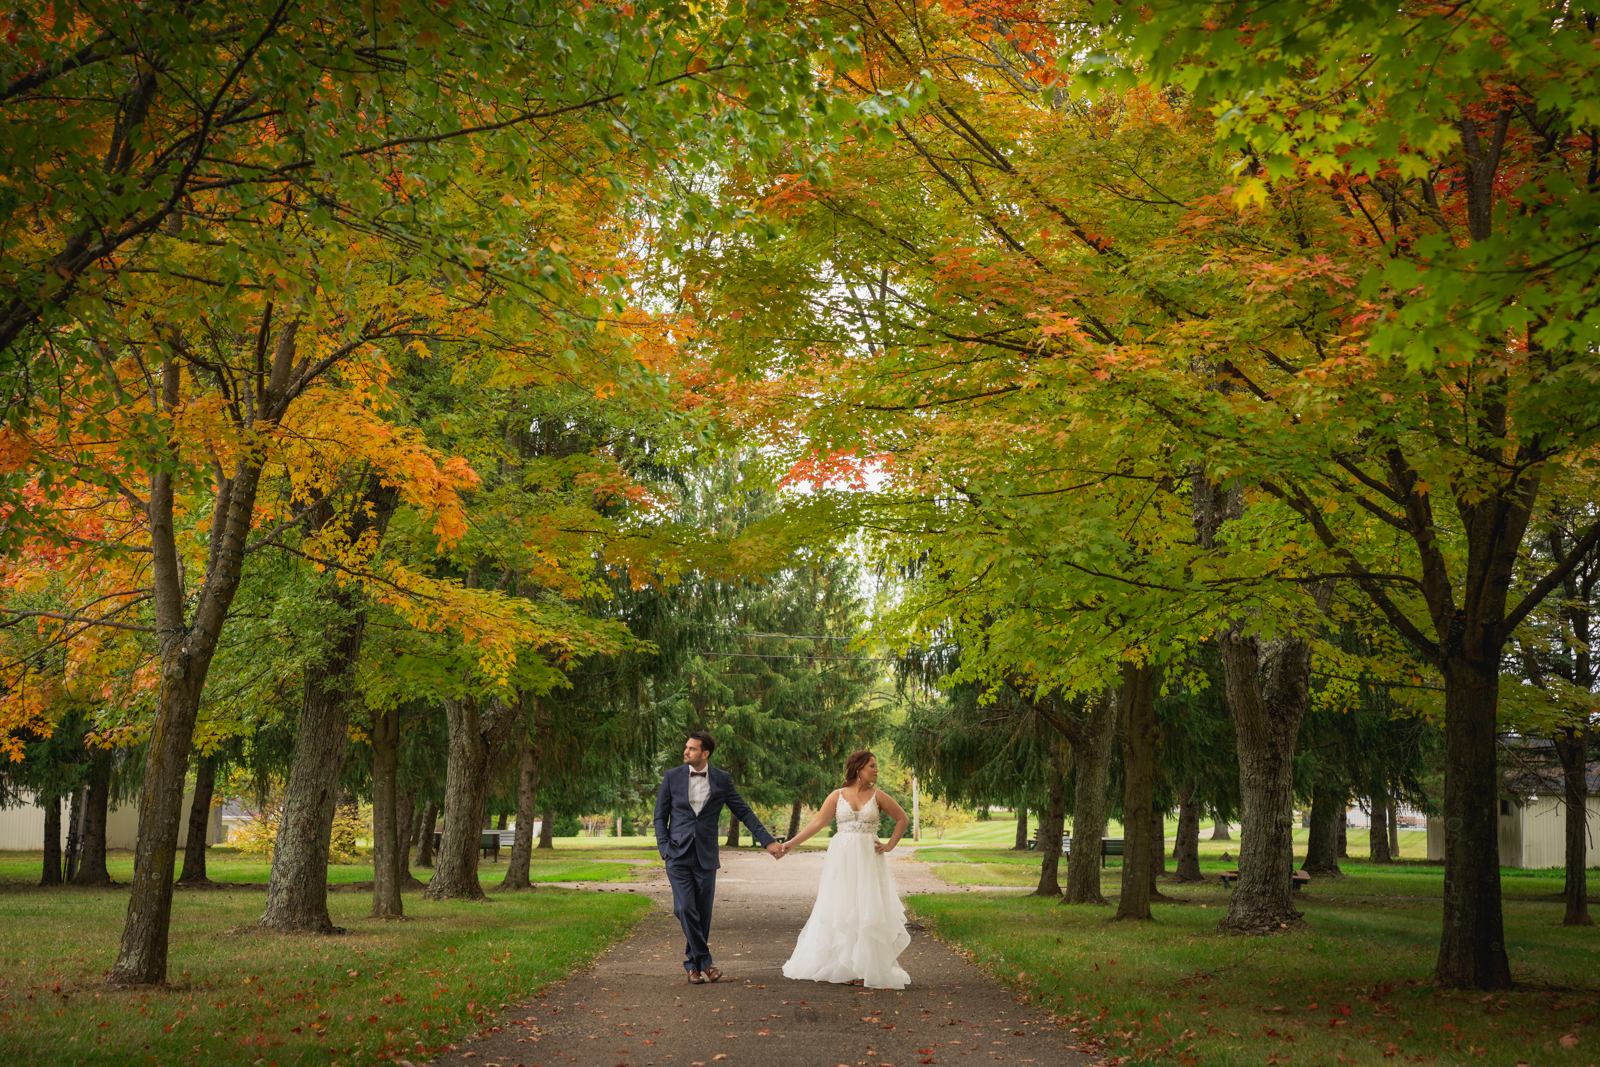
(857,928)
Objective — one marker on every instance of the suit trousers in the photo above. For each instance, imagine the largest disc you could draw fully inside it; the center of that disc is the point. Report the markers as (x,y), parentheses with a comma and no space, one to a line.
(693,889)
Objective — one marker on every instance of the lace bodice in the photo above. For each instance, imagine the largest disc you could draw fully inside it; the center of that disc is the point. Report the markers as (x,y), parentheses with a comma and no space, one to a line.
(852,821)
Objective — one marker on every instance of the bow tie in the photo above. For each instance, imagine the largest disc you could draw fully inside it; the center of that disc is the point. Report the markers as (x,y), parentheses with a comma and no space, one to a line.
(697,774)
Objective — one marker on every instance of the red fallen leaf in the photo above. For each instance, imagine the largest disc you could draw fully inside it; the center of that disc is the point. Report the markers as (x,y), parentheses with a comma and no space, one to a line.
(372,1018)
(928,1060)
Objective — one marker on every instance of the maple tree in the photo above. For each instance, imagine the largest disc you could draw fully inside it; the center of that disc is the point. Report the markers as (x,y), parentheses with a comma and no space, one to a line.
(1438,393)
(216,257)
(941,310)
(1227,271)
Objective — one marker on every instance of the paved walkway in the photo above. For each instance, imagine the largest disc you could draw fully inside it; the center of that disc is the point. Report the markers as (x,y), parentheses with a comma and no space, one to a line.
(633,1009)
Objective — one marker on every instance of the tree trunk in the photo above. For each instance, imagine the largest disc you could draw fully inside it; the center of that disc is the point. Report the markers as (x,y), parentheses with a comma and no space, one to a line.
(408,821)
(75,801)
(92,868)
(388,834)
(1378,824)
(1219,828)
(794,822)
(188,642)
(518,866)
(142,954)
(476,737)
(547,829)
(1269,687)
(1344,828)
(733,832)
(430,819)
(297,891)
(1139,738)
(1158,848)
(1394,829)
(1022,828)
(51,874)
(1472,948)
(1322,845)
(1572,747)
(1091,738)
(1186,849)
(1050,826)
(194,846)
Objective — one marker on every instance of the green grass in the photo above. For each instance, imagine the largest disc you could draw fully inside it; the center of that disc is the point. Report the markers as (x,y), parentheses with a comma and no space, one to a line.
(1410,879)
(989,873)
(565,863)
(1351,987)
(380,991)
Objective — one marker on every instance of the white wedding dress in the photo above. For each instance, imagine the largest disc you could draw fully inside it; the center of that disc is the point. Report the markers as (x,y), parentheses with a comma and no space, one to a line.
(857,927)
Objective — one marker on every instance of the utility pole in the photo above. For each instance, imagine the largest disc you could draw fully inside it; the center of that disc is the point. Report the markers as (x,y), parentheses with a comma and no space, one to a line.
(916,811)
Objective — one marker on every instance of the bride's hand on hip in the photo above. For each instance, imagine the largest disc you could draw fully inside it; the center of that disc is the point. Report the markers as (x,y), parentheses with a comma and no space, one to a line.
(882,847)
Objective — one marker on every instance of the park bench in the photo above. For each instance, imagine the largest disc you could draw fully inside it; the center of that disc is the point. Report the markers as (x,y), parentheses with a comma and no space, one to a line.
(1066,844)
(1109,846)
(1297,879)
(488,841)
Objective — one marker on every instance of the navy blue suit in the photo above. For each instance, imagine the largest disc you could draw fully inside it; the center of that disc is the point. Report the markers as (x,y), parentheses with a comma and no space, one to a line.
(688,843)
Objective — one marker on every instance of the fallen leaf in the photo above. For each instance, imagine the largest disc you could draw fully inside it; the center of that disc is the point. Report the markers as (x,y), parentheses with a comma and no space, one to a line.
(1569,1040)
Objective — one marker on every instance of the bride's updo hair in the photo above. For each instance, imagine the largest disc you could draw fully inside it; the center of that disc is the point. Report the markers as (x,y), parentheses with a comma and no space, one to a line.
(855,765)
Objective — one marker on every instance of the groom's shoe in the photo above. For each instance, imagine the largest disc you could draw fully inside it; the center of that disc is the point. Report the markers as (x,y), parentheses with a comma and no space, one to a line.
(712,974)
(697,978)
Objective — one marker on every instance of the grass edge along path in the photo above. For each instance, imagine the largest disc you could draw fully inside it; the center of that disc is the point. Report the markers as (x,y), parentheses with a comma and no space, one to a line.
(229,866)
(1352,987)
(382,991)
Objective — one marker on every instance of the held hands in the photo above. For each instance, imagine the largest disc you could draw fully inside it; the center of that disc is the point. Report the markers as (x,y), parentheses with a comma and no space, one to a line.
(778,851)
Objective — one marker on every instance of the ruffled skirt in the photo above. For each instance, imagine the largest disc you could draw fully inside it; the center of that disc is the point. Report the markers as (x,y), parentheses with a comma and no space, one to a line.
(857,927)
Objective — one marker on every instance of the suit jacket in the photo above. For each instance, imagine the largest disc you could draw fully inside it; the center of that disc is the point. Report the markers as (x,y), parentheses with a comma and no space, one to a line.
(681,833)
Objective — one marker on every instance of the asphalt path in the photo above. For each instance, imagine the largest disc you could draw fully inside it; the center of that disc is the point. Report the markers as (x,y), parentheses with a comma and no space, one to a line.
(633,1008)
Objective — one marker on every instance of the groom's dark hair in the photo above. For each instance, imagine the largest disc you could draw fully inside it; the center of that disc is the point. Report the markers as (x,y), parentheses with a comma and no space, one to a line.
(708,744)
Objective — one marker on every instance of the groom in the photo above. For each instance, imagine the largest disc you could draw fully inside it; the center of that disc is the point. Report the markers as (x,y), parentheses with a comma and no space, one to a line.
(688,808)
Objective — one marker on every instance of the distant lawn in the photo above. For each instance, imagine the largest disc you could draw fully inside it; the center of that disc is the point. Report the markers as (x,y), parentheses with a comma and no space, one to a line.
(1351,988)
(565,863)
(1001,832)
(373,995)
(1397,881)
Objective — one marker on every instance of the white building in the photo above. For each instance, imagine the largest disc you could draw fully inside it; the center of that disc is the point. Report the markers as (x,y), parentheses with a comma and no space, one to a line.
(1533,822)
(22,827)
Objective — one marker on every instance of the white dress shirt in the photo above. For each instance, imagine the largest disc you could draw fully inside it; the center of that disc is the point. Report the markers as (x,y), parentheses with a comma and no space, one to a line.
(699,789)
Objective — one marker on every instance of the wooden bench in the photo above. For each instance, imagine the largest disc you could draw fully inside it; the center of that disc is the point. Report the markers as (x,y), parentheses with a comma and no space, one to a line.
(1297,879)
(1109,846)
(488,842)
(1066,844)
